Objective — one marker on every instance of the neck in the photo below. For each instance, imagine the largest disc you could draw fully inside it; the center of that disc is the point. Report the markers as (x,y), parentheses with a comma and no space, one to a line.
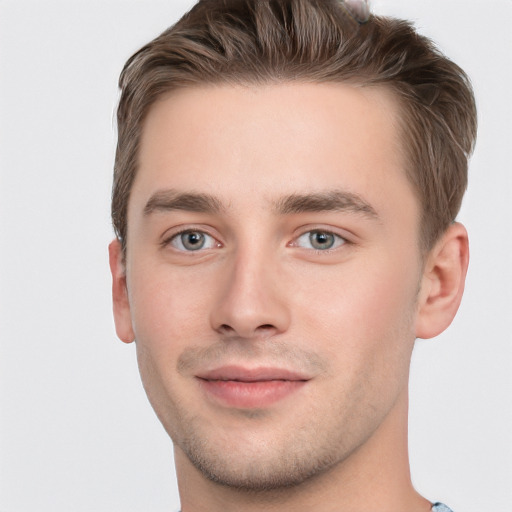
(374,477)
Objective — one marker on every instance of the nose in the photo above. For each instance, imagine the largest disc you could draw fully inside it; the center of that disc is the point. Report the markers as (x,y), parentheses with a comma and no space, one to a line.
(252,302)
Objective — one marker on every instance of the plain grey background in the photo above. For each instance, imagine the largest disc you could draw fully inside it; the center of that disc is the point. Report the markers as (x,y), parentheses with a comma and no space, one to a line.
(77,433)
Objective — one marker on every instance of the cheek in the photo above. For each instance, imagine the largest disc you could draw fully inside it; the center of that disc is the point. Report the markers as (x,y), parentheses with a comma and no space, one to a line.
(367,334)
(362,307)
(168,314)
(167,307)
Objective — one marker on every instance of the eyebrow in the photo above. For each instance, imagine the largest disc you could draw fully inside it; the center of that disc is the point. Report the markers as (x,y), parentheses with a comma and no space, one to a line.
(336,200)
(169,199)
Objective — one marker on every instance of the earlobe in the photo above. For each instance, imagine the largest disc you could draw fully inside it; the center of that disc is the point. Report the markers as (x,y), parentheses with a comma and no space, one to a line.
(443,282)
(121,304)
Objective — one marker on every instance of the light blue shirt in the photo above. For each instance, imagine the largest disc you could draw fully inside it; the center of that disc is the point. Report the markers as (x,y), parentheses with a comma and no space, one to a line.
(439,507)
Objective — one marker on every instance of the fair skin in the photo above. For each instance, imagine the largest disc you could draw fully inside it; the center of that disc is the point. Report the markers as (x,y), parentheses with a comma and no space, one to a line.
(274,285)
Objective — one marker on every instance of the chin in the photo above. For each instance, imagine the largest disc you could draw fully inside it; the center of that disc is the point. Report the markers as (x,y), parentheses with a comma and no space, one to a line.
(257,461)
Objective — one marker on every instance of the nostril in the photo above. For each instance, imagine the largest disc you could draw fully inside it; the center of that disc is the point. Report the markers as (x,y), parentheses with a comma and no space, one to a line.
(263,329)
(266,327)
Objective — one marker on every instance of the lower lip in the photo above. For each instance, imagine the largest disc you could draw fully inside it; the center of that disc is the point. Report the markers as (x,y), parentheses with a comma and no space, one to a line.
(250,395)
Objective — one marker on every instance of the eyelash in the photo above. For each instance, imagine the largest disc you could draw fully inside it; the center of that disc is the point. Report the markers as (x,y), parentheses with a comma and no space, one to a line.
(340,240)
(175,236)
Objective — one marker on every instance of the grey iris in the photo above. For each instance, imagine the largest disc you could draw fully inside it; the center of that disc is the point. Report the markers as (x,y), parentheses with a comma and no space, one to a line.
(193,240)
(321,240)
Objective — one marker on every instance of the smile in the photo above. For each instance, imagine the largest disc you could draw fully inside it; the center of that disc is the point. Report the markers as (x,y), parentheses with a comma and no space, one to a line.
(243,388)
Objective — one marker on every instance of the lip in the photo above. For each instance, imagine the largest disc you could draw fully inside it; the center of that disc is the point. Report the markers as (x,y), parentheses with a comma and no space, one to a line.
(250,388)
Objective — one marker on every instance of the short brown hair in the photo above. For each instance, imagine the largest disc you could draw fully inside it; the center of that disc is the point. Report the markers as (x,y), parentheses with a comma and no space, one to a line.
(271,41)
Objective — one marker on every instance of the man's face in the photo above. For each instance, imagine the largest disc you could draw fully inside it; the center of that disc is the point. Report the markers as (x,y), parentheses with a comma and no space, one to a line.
(272,274)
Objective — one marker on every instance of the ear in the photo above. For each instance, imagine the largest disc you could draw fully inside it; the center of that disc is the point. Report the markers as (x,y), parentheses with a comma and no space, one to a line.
(443,282)
(121,305)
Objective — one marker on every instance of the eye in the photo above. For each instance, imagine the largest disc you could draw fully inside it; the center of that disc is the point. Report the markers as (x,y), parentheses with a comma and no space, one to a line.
(320,240)
(190,241)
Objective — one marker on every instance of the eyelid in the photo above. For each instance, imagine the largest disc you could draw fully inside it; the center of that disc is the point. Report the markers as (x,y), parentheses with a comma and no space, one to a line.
(173,233)
(344,234)
(338,241)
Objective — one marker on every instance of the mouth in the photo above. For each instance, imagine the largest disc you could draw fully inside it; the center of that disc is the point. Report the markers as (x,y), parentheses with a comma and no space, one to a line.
(250,388)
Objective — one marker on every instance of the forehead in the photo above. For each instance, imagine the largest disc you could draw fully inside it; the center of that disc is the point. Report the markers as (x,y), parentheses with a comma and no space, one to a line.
(260,142)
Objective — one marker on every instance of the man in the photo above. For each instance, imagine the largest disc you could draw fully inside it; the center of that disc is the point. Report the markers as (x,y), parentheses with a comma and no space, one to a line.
(287,179)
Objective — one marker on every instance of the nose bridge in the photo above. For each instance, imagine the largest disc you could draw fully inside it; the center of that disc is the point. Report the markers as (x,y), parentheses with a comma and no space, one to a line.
(251,279)
(252,301)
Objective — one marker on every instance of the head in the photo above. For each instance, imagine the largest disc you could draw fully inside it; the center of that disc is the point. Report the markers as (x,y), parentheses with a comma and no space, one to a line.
(285,188)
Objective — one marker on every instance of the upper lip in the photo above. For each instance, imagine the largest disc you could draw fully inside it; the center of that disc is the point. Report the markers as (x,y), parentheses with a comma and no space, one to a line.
(242,374)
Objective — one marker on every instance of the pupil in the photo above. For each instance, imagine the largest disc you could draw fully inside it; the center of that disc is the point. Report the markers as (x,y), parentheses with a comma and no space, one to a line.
(321,240)
(193,241)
